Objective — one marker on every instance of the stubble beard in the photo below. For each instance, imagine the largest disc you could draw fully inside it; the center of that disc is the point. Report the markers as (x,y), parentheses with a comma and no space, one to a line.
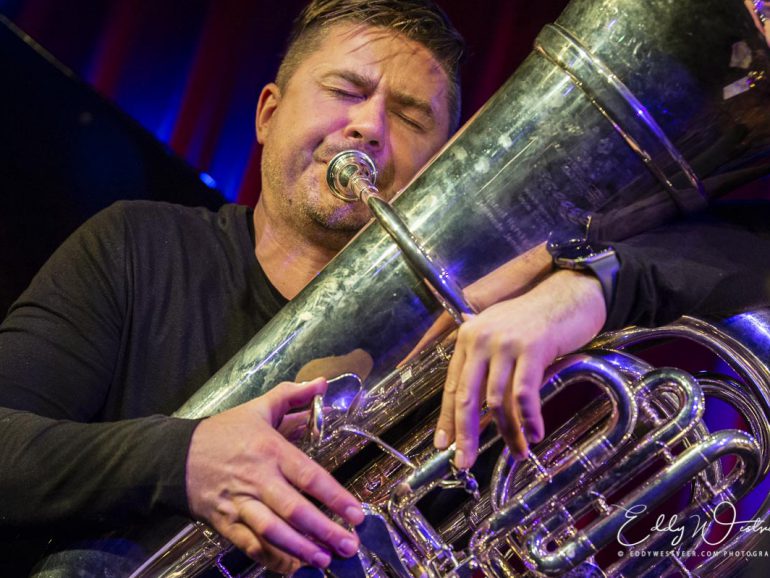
(335,225)
(311,210)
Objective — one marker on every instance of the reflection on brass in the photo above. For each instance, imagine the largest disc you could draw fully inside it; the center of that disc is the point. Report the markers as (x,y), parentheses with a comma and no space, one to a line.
(357,361)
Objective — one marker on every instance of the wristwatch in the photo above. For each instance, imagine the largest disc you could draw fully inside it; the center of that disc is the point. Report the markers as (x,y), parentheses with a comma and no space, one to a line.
(578,254)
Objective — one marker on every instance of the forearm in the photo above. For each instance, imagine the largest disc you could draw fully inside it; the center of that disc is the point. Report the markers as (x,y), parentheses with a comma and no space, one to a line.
(55,470)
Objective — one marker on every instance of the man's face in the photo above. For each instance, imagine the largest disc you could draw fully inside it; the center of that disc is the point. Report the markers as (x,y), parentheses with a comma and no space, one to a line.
(363,88)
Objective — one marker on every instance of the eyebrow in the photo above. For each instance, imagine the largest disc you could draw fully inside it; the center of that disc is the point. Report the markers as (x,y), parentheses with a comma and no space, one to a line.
(369,84)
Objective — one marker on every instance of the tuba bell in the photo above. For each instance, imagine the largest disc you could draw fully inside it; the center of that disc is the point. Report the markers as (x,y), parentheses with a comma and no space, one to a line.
(622,105)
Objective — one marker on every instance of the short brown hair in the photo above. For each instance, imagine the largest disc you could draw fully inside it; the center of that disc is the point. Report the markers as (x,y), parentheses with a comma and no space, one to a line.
(419,20)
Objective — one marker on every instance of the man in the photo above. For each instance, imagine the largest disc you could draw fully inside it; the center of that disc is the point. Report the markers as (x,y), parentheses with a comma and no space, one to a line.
(371,89)
(145,302)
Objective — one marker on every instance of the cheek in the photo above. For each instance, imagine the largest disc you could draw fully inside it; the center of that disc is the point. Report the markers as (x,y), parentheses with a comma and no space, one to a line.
(304,124)
(417,147)
(410,155)
(324,117)
(406,166)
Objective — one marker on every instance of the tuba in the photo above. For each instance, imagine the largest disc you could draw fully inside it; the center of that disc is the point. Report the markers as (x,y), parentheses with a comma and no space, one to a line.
(623,106)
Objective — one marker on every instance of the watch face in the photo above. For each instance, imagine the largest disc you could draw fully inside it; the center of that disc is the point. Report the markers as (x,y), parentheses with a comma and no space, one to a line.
(576,251)
(559,239)
(573,252)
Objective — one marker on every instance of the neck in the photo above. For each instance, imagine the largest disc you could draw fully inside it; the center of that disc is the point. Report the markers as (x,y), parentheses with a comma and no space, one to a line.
(290,260)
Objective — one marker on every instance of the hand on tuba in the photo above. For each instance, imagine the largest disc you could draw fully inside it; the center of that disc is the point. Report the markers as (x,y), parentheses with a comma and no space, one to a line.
(247,481)
(501,353)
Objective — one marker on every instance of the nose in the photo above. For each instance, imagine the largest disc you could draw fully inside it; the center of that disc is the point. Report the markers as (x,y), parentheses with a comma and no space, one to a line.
(368,124)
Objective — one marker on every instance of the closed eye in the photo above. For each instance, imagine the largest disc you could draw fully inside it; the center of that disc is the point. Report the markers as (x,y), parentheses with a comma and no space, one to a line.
(411,122)
(342,93)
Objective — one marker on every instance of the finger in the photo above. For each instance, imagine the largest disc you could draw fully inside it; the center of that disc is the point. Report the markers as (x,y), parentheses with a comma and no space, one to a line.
(246,541)
(527,380)
(271,528)
(467,409)
(498,382)
(287,396)
(311,479)
(443,324)
(297,511)
(293,425)
(445,427)
(512,434)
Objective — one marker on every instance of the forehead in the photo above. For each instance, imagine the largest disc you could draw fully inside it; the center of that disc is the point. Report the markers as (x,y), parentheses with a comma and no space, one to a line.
(395,62)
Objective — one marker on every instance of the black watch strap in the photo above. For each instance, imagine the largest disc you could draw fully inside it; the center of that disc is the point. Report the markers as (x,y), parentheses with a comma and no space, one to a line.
(577,254)
(605,266)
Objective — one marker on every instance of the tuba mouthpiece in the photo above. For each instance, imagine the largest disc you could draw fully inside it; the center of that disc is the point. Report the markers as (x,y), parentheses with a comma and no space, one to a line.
(342,170)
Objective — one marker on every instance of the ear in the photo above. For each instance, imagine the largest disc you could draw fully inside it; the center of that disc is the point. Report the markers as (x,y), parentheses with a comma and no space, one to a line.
(268,102)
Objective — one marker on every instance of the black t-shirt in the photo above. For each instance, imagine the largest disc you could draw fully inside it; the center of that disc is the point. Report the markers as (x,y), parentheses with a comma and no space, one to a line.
(130,316)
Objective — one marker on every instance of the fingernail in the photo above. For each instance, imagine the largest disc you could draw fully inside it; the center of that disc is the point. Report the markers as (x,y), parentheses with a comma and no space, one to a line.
(441,441)
(529,435)
(354,515)
(533,437)
(460,459)
(348,547)
(321,560)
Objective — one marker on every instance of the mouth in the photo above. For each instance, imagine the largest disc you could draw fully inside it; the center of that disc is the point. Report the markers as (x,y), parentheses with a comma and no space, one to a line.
(325,154)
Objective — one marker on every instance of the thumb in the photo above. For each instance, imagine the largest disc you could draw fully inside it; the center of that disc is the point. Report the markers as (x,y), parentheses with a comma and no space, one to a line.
(287,396)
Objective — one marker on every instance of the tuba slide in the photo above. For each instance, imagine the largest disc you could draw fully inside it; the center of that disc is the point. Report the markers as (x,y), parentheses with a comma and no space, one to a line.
(623,107)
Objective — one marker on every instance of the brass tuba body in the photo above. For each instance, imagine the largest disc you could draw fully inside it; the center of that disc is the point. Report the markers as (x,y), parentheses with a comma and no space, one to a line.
(622,103)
